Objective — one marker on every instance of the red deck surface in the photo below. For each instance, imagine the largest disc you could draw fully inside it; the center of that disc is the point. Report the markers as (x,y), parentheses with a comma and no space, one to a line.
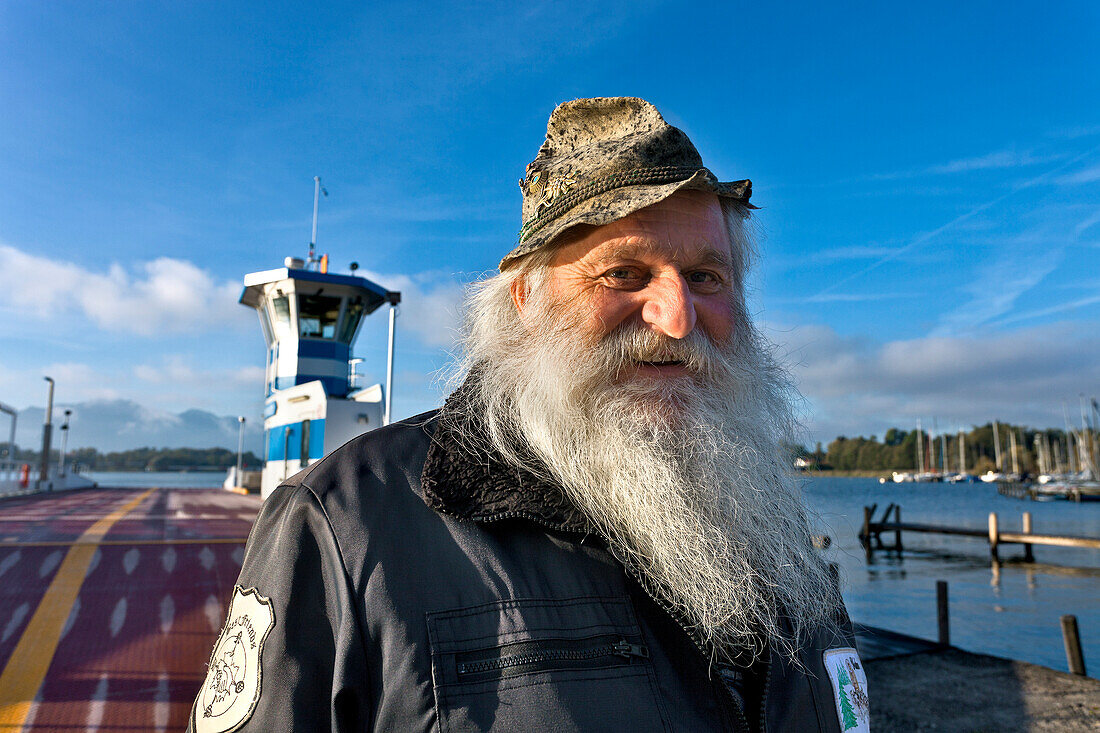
(134,649)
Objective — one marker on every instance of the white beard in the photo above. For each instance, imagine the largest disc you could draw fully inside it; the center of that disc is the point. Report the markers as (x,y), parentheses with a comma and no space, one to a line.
(686,477)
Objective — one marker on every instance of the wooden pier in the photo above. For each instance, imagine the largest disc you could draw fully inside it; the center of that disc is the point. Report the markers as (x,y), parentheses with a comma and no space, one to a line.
(870,535)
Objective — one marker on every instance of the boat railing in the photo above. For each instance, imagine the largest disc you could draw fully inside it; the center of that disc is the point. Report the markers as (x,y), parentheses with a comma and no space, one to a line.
(15,479)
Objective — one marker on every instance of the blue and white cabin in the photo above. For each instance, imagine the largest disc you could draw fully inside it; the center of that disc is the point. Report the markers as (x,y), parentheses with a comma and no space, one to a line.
(310,319)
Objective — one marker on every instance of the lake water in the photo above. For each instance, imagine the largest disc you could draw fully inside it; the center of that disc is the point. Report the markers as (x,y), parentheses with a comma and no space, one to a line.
(1013,613)
(162,479)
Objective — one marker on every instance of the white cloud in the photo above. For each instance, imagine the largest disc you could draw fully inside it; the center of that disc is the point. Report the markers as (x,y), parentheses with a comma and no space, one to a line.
(165,295)
(430,305)
(857,386)
(177,370)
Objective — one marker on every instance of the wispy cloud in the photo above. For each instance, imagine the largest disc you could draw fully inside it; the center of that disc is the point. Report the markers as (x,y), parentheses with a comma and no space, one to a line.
(852,297)
(1085,175)
(854,252)
(1087,222)
(996,287)
(1067,307)
(925,237)
(998,159)
(165,295)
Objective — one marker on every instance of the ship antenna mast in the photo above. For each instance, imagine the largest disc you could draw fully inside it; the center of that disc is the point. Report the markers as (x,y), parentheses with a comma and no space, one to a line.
(318,189)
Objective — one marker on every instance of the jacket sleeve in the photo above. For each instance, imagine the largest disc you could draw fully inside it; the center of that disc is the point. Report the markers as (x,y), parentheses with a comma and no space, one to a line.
(290,656)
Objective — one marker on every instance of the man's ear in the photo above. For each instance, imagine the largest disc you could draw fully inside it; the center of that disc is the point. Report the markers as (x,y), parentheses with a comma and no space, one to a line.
(519,292)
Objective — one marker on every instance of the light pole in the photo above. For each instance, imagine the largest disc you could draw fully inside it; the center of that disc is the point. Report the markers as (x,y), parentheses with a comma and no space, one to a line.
(394,298)
(47,428)
(64,443)
(240,450)
(11,441)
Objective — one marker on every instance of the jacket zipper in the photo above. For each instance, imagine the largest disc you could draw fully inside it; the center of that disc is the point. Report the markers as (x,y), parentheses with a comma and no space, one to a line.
(547,653)
(740,720)
(741,723)
(764,696)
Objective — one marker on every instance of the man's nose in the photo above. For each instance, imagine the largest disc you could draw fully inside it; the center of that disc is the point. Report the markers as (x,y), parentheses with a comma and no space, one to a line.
(669,306)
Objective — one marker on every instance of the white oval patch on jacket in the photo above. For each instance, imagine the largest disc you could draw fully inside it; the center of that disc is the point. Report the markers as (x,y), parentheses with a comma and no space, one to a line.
(232,686)
(853,707)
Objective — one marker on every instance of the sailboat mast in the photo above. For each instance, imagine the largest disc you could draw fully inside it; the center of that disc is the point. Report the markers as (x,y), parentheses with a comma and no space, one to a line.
(997,445)
(920,449)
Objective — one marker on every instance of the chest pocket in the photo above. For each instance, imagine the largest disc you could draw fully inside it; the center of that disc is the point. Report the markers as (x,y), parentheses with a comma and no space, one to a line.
(543,664)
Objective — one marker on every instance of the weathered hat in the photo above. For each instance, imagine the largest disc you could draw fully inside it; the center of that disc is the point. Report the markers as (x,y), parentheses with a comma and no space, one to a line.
(605,158)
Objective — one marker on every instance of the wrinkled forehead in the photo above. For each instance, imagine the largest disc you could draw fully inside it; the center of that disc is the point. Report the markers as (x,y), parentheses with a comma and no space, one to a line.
(688,226)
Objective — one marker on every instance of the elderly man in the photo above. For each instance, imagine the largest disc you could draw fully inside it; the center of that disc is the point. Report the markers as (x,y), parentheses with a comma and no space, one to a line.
(597,531)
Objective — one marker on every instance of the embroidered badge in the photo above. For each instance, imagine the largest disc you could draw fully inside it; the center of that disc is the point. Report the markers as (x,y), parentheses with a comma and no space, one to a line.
(853,708)
(232,686)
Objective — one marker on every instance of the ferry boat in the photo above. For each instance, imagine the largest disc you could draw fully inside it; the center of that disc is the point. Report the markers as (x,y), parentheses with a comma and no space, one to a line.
(310,318)
(313,403)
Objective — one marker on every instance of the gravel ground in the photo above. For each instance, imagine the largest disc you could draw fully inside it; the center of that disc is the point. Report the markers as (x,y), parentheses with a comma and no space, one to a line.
(953,690)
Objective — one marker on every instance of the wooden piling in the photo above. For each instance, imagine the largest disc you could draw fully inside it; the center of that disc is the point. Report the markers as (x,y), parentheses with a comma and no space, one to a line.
(897,532)
(1072,639)
(942,617)
(1029,556)
(994,536)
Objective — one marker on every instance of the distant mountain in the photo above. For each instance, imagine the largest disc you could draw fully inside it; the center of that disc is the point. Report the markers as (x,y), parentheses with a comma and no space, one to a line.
(115,425)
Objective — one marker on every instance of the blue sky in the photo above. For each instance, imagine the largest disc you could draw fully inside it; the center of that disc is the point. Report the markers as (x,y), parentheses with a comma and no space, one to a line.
(929,177)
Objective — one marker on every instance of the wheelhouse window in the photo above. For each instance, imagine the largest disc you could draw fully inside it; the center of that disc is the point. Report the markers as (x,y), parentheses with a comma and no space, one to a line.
(352,314)
(317,315)
(281,304)
(265,324)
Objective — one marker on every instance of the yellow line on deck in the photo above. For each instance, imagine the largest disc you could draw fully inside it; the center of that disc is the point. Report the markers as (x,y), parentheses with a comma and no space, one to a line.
(184,541)
(27,666)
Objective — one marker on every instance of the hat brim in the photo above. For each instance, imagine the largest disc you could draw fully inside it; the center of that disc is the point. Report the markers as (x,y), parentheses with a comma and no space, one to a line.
(617,203)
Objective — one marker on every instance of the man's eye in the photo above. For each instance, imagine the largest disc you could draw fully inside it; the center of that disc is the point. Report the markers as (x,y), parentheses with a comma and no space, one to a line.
(620,273)
(702,277)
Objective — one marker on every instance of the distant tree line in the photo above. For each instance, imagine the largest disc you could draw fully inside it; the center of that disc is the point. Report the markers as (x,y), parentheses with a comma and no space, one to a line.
(145,459)
(898,450)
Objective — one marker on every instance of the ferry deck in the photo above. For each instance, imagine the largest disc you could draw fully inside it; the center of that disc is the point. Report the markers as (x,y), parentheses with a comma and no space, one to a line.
(110,602)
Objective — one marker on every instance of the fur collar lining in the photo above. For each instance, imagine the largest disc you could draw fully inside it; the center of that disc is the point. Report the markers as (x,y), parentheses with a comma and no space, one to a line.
(481,486)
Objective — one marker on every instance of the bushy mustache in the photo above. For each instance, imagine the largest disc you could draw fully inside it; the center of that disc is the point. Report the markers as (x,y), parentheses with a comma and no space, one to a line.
(633,344)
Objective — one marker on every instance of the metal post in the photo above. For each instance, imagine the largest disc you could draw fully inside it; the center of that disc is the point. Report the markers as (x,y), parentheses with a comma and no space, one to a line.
(64,444)
(394,298)
(942,617)
(994,536)
(11,440)
(1075,659)
(47,429)
(240,450)
(1029,556)
(313,236)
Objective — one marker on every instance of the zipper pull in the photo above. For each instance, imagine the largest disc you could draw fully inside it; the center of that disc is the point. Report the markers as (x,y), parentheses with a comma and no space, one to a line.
(626,650)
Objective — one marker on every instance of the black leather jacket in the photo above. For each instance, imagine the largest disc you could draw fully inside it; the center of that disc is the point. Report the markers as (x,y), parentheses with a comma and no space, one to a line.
(412,587)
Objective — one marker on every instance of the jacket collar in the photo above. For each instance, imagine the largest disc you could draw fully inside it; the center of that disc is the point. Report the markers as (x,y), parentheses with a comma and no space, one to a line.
(477,484)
